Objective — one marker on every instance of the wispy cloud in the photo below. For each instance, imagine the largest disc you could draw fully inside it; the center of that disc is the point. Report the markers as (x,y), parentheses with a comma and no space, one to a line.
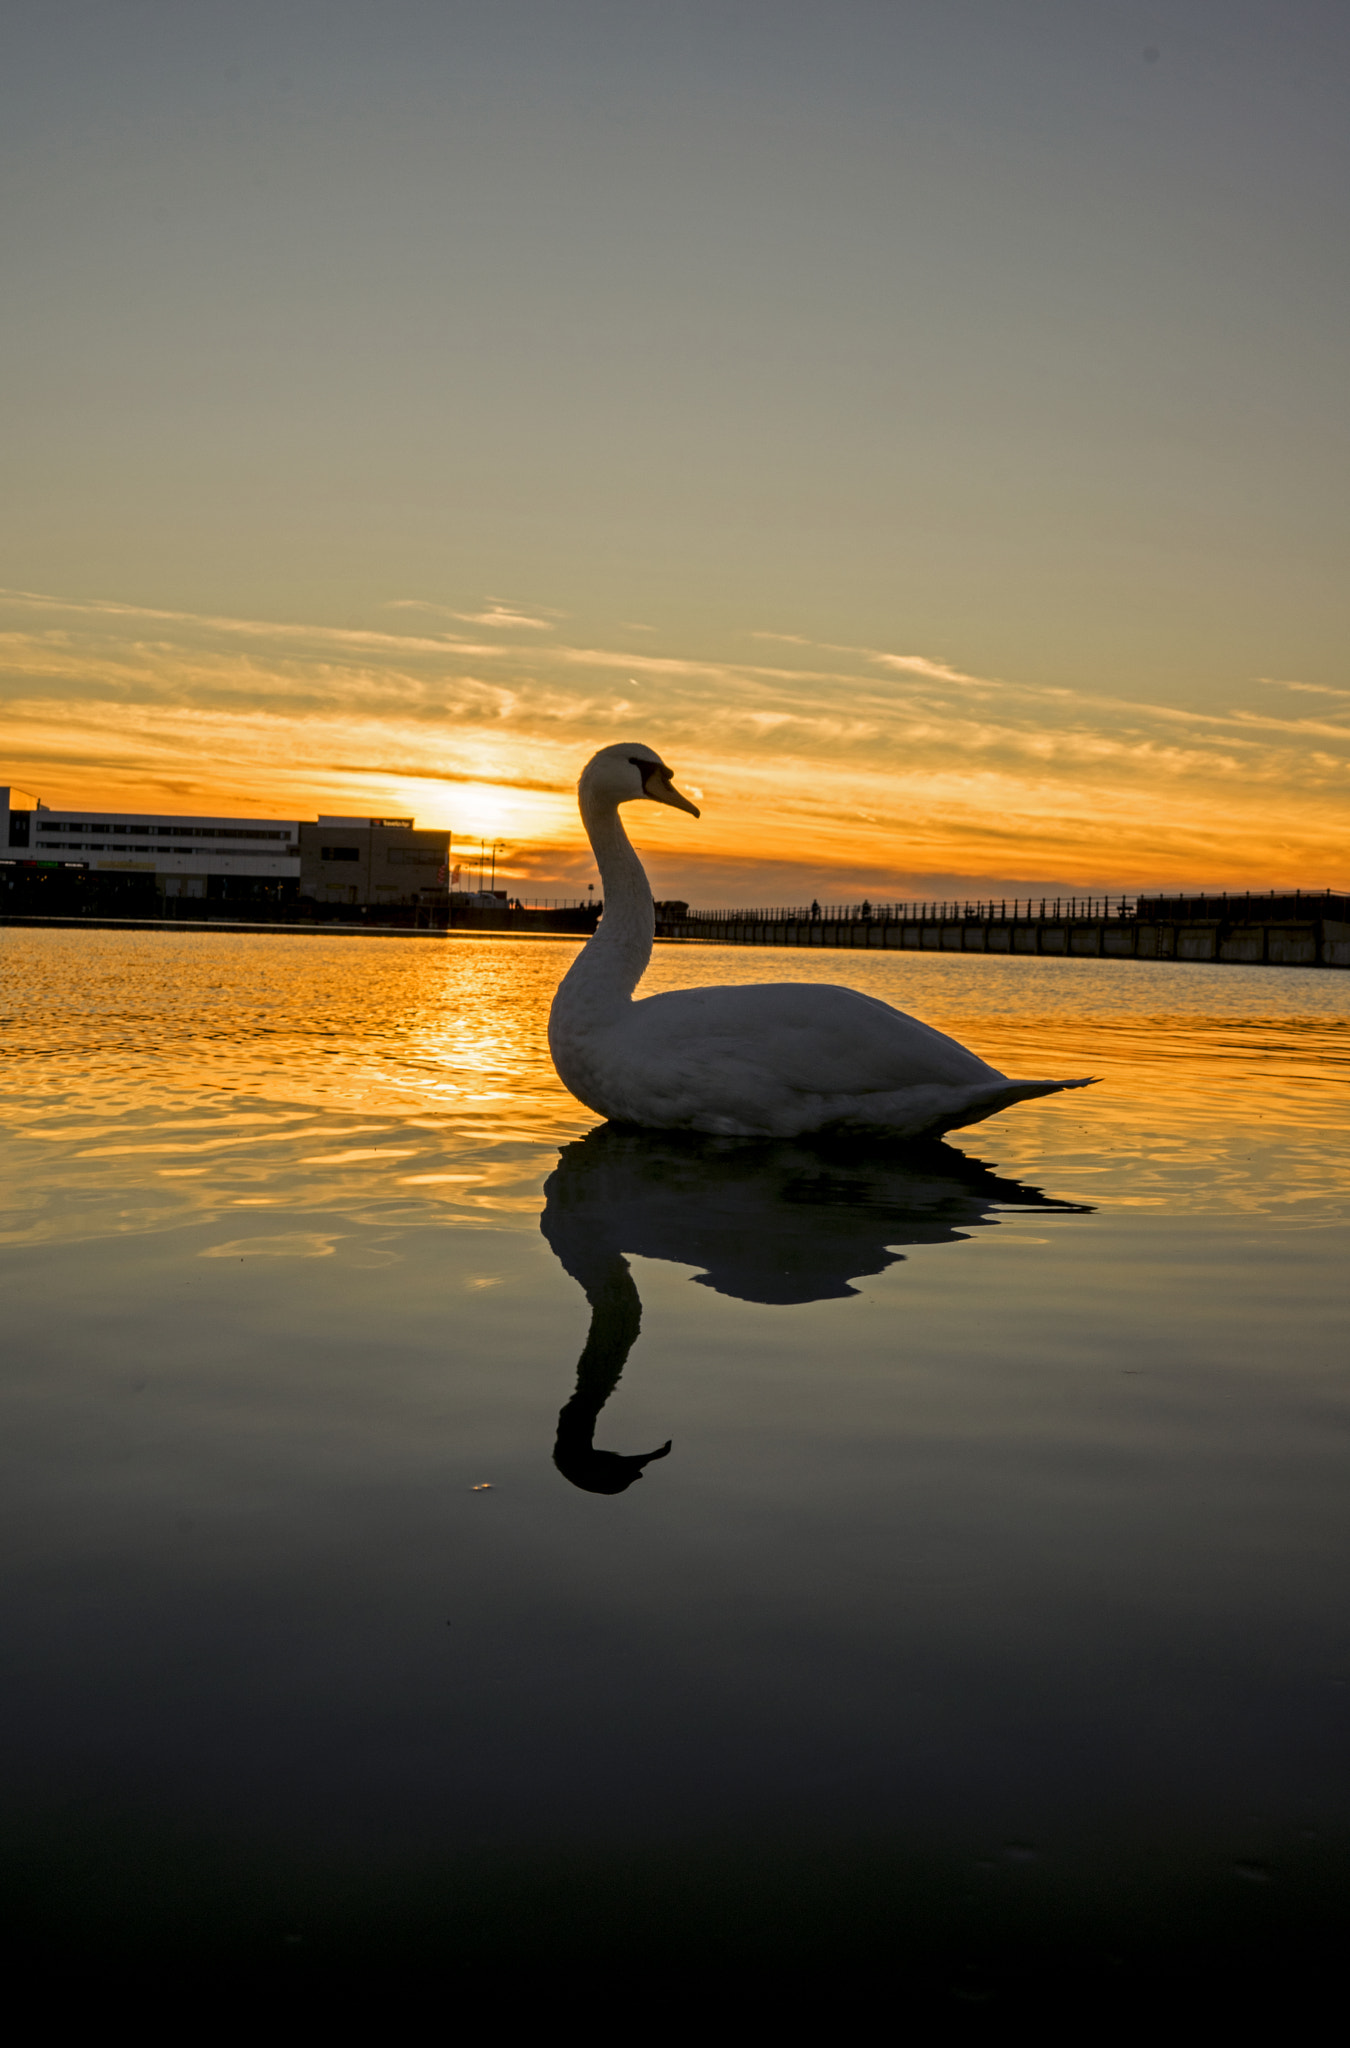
(495,613)
(923,665)
(1312,689)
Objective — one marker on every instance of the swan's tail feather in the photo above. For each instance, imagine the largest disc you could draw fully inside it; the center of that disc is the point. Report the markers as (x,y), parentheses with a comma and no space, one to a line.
(990,1101)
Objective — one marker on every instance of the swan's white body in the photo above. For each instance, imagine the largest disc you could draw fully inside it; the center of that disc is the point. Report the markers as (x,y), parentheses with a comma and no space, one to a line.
(770,1060)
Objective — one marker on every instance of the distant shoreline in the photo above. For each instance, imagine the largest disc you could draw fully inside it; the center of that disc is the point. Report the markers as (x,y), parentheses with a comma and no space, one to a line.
(244,926)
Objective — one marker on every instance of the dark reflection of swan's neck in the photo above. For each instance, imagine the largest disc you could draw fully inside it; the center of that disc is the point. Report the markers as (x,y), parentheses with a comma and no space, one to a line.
(616,1318)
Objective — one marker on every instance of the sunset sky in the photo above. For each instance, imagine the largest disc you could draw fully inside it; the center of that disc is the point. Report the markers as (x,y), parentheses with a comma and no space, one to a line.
(923,421)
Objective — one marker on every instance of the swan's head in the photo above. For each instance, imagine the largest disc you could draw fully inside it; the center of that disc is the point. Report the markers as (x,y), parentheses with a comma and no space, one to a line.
(626,771)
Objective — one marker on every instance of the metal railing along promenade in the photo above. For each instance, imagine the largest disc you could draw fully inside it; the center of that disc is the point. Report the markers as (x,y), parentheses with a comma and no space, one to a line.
(935,912)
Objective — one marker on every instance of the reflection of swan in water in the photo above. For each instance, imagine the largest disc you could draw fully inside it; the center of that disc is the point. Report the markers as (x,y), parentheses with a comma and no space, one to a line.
(777,1222)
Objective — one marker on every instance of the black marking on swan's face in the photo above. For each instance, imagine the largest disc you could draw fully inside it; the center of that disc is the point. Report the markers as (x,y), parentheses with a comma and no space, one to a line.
(658,784)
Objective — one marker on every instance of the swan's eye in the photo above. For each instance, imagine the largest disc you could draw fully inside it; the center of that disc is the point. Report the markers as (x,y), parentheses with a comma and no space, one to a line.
(646,768)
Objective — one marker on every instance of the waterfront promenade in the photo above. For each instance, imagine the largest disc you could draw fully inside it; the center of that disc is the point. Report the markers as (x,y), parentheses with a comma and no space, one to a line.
(1289,930)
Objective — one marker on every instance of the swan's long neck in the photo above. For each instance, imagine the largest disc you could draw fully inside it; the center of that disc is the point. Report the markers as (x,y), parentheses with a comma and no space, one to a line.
(614,959)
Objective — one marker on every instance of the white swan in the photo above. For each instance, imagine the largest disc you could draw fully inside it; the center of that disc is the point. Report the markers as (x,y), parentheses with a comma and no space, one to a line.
(766,1060)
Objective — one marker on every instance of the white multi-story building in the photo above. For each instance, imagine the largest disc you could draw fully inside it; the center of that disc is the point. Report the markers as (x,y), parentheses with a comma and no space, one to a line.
(185,854)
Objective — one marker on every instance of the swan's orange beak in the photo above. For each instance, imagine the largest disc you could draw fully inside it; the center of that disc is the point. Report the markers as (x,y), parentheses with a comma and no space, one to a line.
(659,787)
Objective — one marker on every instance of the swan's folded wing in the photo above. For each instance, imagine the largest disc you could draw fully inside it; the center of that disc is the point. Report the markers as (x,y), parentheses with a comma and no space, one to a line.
(812,1039)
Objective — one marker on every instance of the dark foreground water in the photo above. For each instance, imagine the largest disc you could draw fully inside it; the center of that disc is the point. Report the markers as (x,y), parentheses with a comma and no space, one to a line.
(985,1621)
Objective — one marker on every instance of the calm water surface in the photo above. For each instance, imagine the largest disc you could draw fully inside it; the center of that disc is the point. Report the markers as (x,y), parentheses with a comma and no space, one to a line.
(987,1606)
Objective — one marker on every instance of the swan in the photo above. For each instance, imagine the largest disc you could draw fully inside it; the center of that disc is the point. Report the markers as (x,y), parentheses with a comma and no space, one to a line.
(760,1060)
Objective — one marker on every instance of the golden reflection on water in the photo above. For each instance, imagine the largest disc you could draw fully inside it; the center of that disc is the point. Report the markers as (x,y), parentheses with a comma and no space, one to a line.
(153,1078)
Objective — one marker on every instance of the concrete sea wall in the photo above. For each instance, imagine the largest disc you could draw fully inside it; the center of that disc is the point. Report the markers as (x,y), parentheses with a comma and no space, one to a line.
(1314,942)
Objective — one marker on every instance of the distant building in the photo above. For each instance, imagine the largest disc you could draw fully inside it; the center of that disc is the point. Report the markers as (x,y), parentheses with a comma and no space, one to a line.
(177,856)
(371,860)
(150,853)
